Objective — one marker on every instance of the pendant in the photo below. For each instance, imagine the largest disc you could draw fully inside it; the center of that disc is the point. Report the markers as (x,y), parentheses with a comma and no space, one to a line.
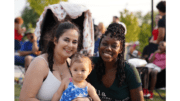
(61,74)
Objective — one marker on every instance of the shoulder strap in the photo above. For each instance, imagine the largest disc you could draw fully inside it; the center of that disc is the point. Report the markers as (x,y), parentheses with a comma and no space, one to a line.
(46,63)
(69,67)
(67,64)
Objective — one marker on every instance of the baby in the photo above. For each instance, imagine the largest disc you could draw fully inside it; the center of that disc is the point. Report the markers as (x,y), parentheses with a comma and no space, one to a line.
(77,86)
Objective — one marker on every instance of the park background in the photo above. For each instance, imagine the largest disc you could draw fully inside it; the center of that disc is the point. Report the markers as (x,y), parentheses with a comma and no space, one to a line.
(136,14)
(8,11)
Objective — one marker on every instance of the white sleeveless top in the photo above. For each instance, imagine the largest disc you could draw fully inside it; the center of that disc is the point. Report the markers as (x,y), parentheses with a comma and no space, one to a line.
(49,87)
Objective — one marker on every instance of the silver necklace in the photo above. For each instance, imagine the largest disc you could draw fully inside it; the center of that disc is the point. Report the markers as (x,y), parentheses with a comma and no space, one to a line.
(61,74)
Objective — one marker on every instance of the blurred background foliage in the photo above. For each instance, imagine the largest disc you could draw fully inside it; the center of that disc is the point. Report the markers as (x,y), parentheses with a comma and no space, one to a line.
(33,10)
(132,25)
(138,25)
(30,17)
(38,5)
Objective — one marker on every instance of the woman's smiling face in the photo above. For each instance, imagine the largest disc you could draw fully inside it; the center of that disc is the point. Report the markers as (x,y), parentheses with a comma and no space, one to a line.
(109,48)
(67,43)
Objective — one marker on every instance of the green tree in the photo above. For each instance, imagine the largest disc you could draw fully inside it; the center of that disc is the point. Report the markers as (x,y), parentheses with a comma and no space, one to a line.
(132,25)
(38,5)
(146,18)
(30,17)
(144,35)
(145,27)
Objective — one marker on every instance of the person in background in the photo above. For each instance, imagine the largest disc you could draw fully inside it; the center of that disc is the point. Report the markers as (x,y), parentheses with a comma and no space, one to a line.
(29,50)
(150,48)
(161,6)
(155,31)
(98,32)
(134,53)
(157,64)
(96,40)
(101,28)
(116,20)
(18,32)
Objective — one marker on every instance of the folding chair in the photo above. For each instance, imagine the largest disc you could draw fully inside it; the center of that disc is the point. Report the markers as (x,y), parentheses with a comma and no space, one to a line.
(161,82)
(142,71)
(161,79)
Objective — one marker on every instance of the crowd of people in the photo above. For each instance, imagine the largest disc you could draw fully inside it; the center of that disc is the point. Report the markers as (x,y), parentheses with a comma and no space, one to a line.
(26,50)
(61,71)
(155,52)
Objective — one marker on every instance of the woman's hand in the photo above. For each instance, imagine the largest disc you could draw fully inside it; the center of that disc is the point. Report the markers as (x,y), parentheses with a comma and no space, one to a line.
(81,99)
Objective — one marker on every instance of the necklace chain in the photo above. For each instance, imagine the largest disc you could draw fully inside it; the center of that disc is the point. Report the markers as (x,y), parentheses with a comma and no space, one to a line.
(61,74)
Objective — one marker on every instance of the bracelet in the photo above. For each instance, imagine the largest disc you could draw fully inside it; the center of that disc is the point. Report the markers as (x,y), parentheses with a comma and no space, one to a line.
(90,99)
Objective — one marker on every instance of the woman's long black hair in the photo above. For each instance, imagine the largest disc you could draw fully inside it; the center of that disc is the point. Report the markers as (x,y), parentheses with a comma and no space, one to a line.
(56,32)
(116,31)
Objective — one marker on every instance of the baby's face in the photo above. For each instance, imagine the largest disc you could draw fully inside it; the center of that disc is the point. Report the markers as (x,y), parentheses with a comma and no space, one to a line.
(79,71)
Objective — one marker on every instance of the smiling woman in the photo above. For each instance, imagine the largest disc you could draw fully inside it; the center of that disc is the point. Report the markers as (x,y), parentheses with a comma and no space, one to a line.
(113,78)
(110,48)
(58,39)
(45,73)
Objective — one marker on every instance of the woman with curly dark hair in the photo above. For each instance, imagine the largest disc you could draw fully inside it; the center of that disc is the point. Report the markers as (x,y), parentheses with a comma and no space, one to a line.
(113,78)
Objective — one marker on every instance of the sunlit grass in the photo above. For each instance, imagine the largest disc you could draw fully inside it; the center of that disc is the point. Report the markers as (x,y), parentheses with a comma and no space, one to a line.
(156,95)
(17,92)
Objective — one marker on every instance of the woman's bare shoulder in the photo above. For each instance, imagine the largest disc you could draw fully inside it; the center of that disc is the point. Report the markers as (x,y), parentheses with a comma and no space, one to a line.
(35,74)
(39,65)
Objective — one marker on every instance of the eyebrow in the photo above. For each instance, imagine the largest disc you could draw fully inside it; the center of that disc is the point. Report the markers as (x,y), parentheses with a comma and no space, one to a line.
(113,43)
(69,38)
(66,38)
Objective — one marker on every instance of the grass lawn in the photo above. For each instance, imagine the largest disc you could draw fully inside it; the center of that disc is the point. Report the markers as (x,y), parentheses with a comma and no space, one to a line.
(156,95)
(17,92)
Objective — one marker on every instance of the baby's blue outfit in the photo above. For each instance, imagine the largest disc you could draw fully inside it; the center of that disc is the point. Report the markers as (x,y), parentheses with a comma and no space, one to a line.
(73,92)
